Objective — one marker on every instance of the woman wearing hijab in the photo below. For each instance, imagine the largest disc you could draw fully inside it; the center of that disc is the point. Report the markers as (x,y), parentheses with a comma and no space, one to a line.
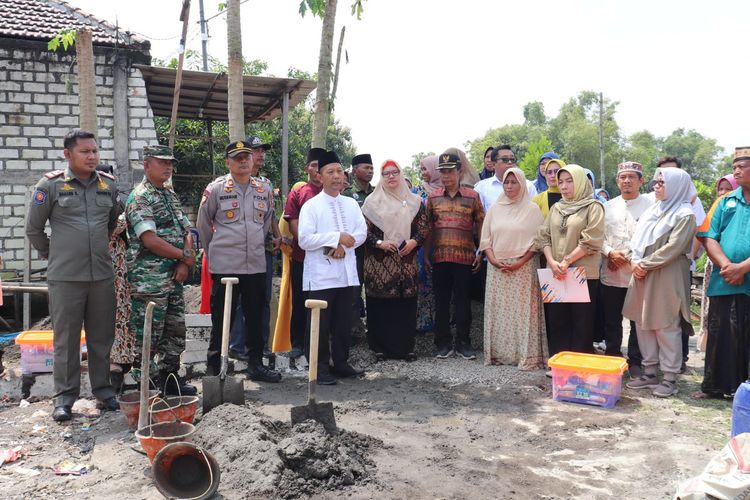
(572,236)
(489,165)
(425,299)
(542,180)
(514,331)
(545,199)
(396,226)
(659,293)
(469,176)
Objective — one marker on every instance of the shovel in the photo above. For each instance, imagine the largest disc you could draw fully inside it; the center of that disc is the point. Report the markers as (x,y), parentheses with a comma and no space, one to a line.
(220,389)
(320,412)
(145,365)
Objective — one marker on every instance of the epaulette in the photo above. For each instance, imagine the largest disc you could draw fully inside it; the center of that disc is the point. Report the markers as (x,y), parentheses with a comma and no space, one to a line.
(54,173)
(107,175)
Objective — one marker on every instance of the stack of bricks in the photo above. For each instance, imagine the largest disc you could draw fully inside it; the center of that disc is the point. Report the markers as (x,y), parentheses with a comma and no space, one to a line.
(37,109)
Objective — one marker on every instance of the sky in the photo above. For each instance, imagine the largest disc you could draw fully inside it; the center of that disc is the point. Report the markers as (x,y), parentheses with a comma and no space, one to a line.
(425,75)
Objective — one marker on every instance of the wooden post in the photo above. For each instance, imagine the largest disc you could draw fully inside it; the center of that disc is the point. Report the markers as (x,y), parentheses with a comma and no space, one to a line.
(235,91)
(602,174)
(184,15)
(285,144)
(86,82)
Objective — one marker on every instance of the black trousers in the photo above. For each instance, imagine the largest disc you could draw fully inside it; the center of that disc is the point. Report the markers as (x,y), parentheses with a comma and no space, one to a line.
(335,327)
(728,347)
(613,298)
(572,324)
(298,326)
(451,280)
(251,291)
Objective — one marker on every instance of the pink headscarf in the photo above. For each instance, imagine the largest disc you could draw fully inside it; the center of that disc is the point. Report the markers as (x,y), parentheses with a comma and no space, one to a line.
(730,179)
(431,163)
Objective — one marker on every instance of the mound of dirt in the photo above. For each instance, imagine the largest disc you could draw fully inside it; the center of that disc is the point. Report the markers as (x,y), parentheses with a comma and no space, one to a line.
(266,458)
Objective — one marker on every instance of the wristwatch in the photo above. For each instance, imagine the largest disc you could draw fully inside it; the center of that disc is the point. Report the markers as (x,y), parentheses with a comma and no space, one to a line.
(378,243)
(186,253)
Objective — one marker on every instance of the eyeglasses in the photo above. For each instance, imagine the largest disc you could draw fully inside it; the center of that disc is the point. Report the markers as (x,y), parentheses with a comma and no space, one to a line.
(391,173)
(553,172)
(507,160)
(659,183)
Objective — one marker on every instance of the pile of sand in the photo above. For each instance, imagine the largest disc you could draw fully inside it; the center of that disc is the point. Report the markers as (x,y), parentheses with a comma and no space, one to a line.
(267,458)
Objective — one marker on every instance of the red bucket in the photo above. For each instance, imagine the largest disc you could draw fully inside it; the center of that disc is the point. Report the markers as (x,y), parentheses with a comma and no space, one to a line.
(169,409)
(154,437)
(130,405)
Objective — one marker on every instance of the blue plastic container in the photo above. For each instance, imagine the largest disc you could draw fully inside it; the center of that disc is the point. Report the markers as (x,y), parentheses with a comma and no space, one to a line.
(741,409)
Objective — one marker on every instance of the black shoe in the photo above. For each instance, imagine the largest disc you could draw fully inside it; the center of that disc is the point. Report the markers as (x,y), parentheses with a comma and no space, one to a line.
(267,352)
(296,352)
(326,379)
(346,371)
(62,413)
(262,374)
(176,386)
(109,404)
(237,355)
(444,353)
(683,368)
(466,352)
(116,378)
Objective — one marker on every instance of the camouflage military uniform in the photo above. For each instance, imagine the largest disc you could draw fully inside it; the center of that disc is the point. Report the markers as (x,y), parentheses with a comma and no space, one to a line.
(358,306)
(151,276)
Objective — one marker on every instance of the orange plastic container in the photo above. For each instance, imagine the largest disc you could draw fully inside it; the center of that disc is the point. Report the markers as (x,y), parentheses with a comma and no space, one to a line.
(587,378)
(37,350)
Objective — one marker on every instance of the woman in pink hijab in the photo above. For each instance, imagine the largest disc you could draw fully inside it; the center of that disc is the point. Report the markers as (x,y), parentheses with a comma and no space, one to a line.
(425,299)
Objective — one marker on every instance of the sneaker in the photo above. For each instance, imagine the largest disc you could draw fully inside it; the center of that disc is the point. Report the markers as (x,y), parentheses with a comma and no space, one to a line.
(262,374)
(643,382)
(466,352)
(665,389)
(326,379)
(444,353)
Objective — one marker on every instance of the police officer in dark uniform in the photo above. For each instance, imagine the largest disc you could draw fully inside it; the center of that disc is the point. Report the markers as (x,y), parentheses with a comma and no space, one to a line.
(81,207)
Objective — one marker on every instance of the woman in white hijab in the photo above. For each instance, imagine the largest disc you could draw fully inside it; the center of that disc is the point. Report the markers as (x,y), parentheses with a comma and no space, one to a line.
(514,331)
(658,298)
(396,227)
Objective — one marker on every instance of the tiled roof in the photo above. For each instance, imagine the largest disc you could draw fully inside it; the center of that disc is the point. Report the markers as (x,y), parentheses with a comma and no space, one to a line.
(43,19)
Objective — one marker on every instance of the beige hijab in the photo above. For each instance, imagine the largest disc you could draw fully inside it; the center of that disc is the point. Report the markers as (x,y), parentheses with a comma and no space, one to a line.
(469,175)
(392,211)
(511,224)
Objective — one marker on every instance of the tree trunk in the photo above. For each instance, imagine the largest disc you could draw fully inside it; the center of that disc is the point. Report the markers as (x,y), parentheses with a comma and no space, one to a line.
(235,102)
(86,82)
(322,93)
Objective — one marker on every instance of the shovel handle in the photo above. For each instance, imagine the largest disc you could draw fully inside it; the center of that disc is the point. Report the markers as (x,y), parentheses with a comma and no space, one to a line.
(226,323)
(145,364)
(315,306)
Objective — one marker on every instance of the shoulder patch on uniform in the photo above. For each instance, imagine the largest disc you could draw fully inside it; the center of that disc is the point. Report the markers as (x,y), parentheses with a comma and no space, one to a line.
(107,175)
(39,197)
(54,173)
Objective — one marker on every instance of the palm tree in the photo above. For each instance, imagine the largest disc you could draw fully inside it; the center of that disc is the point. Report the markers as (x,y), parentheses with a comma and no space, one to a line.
(235,101)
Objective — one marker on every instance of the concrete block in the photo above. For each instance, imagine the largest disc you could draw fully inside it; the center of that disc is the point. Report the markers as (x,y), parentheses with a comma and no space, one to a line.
(43,120)
(19,97)
(57,88)
(67,99)
(17,119)
(32,154)
(16,165)
(34,87)
(140,102)
(56,154)
(10,85)
(43,165)
(138,112)
(44,77)
(198,320)
(57,109)
(44,98)
(16,141)
(41,143)
(35,108)
(13,199)
(35,131)
(21,76)
(71,121)
(7,107)
(58,131)
(16,243)
(145,133)
(34,66)
(8,153)
(10,130)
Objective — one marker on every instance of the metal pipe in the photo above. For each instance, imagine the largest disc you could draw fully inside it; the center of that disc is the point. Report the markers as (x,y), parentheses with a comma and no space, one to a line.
(26,290)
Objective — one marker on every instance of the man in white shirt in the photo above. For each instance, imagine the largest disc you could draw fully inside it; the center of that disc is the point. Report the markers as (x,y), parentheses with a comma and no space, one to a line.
(620,217)
(491,188)
(330,227)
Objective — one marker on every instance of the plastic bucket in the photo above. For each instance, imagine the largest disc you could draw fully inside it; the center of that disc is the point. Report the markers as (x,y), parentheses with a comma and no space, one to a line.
(184,470)
(173,408)
(130,405)
(154,437)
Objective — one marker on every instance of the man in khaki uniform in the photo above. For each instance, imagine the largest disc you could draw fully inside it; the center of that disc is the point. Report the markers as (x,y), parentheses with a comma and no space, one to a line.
(81,207)
(233,220)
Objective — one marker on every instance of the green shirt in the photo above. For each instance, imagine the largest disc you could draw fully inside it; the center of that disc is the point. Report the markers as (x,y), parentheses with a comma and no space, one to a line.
(730,227)
(358,194)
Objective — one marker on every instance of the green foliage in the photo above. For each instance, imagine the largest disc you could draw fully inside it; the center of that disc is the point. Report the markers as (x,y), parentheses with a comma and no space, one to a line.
(533,114)
(519,137)
(530,161)
(66,36)
(700,155)
(317,7)
(222,6)
(357,9)
(706,193)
